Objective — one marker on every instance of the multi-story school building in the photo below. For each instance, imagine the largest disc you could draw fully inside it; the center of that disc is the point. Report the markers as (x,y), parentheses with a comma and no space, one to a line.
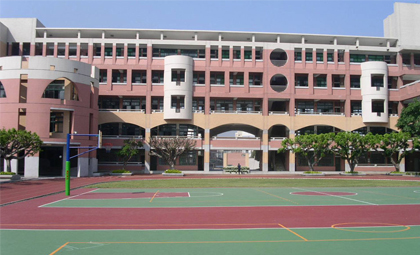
(237,94)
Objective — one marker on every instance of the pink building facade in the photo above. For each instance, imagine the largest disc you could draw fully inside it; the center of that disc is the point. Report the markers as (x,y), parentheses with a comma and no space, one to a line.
(210,85)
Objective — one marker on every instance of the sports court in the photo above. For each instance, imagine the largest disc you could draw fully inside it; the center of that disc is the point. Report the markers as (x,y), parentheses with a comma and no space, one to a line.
(216,221)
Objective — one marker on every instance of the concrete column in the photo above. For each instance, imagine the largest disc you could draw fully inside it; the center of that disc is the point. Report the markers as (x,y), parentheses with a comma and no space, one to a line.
(402,165)
(14,165)
(346,166)
(206,146)
(264,148)
(147,151)
(82,166)
(31,167)
(93,167)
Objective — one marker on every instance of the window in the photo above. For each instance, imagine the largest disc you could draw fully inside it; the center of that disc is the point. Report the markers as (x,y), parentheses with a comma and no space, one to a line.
(248,54)
(143,52)
(357,58)
(50,49)
(108,50)
(320,57)
(406,59)
(131,103)
(217,78)
(244,105)
(139,76)
(327,160)
(378,106)
(341,55)
(222,105)
(338,81)
(377,80)
(320,80)
(355,81)
(255,79)
(15,49)
(199,78)
(157,76)
(131,50)
(61,49)
(258,53)
(356,107)
(195,53)
(55,90)
(298,56)
(198,104)
(236,53)
(225,53)
(308,56)
(417,59)
(324,107)
(2,91)
(236,78)
(130,129)
(188,159)
(178,76)
(109,102)
(119,76)
(392,82)
(110,129)
(103,75)
(330,57)
(164,52)
(177,103)
(157,103)
(56,122)
(375,58)
(120,50)
(305,106)
(301,80)
(26,49)
(38,49)
(214,53)
(72,49)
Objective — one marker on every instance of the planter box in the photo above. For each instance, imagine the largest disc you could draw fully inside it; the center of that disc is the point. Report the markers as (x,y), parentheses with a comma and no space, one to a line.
(121,174)
(13,177)
(321,174)
(352,174)
(173,174)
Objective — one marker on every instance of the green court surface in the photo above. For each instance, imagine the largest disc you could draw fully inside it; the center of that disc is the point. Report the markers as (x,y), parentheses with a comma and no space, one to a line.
(239,197)
(345,241)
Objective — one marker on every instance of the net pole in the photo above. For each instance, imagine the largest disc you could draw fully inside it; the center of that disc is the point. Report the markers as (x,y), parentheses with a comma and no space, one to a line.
(68,166)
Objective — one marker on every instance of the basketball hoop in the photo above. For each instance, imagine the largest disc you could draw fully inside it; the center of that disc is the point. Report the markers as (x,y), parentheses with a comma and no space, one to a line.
(107,147)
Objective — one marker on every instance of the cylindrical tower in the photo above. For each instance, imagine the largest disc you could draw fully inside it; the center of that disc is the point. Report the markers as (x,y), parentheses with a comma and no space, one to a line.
(178,81)
(374,84)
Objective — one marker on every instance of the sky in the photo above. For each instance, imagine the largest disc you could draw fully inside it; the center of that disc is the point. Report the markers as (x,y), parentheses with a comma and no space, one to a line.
(337,17)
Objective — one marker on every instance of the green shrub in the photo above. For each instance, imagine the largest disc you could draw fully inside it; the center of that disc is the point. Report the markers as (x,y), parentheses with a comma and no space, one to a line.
(121,171)
(7,173)
(396,172)
(173,171)
(312,172)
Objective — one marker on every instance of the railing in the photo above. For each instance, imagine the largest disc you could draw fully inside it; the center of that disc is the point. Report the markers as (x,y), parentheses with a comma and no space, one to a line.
(122,110)
(319,113)
(235,112)
(277,138)
(278,113)
(235,138)
(178,136)
(121,163)
(393,115)
(410,84)
(122,136)
(157,110)
(356,114)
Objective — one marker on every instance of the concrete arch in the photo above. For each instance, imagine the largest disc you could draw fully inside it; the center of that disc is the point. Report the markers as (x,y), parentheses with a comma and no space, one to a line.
(70,91)
(236,127)
(278,130)
(317,129)
(374,129)
(177,129)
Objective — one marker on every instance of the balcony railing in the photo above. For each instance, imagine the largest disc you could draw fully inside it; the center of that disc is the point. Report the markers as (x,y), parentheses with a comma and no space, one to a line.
(122,110)
(235,112)
(278,113)
(277,138)
(122,136)
(319,113)
(235,138)
(157,110)
(199,137)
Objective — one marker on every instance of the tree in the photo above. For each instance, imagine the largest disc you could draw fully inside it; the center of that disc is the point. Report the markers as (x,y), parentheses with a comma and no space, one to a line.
(409,120)
(169,149)
(394,146)
(311,146)
(130,149)
(351,146)
(13,142)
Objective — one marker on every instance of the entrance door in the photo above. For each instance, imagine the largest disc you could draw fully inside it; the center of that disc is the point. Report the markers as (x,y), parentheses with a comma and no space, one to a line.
(337,163)
(51,161)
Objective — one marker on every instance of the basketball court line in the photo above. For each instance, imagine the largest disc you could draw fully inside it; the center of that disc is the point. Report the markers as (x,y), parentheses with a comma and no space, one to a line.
(276,196)
(293,232)
(337,196)
(68,198)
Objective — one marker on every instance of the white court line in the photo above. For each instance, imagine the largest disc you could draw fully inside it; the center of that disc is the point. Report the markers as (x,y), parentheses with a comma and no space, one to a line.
(68,198)
(189,195)
(337,196)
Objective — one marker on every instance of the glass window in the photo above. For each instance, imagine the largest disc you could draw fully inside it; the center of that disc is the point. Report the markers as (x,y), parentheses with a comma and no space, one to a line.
(258,53)
(103,75)
(108,50)
(119,76)
(217,78)
(305,106)
(357,58)
(375,58)
(178,76)
(109,102)
(199,78)
(244,105)
(55,90)
(130,129)
(319,56)
(377,81)
(157,76)
(308,56)
(298,56)
(198,104)
(188,159)
(236,78)
(131,103)
(330,57)
(356,107)
(225,54)
(56,122)
(321,81)
(139,76)
(131,50)
(355,81)
(157,103)
(255,79)
(328,160)
(248,54)
(72,49)
(2,91)
(236,54)
(378,106)
(301,80)
(324,107)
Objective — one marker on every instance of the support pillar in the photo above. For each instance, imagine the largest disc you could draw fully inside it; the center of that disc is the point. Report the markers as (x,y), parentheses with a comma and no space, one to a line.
(147,151)
(402,166)
(264,148)
(31,167)
(207,150)
(292,156)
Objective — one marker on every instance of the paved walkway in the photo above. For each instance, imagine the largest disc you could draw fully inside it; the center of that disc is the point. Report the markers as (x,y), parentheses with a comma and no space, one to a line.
(15,191)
